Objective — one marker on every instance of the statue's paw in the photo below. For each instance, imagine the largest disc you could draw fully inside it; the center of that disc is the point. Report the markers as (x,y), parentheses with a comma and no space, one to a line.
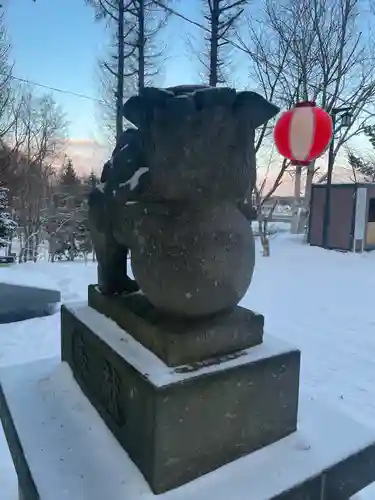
(98,218)
(130,285)
(113,282)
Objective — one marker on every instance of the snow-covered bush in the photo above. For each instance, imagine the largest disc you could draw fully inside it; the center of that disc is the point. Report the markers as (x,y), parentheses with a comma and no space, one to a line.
(7,225)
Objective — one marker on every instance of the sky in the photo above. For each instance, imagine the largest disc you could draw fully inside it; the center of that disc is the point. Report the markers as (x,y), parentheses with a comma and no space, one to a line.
(57,43)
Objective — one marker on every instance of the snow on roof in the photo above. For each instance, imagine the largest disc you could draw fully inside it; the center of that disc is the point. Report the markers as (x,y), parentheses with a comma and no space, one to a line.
(26,276)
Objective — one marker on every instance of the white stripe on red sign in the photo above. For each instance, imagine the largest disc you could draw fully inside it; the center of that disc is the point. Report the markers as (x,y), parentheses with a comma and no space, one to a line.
(302,132)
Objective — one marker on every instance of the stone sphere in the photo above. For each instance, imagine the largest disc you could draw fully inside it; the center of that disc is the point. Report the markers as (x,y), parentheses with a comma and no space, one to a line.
(175,193)
(194,262)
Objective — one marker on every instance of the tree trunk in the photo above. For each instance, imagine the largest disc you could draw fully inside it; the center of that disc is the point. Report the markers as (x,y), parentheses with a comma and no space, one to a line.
(10,245)
(309,182)
(304,219)
(297,195)
(263,236)
(214,44)
(297,183)
(120,71)
(36,245)
(141,46)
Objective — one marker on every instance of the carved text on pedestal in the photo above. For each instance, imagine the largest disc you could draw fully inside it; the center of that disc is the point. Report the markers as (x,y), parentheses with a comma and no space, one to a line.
(110,391)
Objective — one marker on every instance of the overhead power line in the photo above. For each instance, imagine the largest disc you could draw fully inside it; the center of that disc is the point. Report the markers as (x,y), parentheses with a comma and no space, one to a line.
(55,89)
(175,13)
(94,99)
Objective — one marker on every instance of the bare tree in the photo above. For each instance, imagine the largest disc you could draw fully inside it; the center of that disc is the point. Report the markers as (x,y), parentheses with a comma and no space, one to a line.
(38,135)
(112,76)
(221,18)
(7,224)
(6,87)
(363,166)
(134,52)
(147,18)
(314,50)
(66,215)
(263,198)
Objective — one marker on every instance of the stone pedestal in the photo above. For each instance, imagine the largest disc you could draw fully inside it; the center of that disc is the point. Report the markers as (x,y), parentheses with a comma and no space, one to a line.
(176,341)
(62,449)
(20,302)
(182,422)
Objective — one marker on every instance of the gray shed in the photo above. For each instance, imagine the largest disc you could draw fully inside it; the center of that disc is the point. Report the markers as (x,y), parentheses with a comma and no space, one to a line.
(351,224)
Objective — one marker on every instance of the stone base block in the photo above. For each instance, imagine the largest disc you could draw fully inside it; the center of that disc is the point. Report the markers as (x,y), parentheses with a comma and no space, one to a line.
(179,341)
(21,302)
(178,424)
(7,259)
(62,450)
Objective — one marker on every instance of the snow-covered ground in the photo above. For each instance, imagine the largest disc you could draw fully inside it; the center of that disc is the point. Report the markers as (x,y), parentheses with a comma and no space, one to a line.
(321,301)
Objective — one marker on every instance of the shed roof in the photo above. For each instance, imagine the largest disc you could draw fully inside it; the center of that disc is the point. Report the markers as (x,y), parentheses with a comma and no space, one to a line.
(347,185)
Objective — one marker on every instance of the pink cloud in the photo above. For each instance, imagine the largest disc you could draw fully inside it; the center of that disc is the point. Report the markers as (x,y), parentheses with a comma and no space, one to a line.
(86,154)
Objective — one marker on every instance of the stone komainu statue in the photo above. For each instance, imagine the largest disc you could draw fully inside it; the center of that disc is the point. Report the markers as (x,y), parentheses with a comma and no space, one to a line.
(173,193)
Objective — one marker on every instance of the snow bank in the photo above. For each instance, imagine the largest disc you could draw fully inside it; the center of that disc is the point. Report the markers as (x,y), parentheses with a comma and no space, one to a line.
(320,301)
(27,275)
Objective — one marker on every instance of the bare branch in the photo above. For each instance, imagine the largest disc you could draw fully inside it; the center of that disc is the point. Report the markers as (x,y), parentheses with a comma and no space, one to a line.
(312,50)
(221,19)
(134,54)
